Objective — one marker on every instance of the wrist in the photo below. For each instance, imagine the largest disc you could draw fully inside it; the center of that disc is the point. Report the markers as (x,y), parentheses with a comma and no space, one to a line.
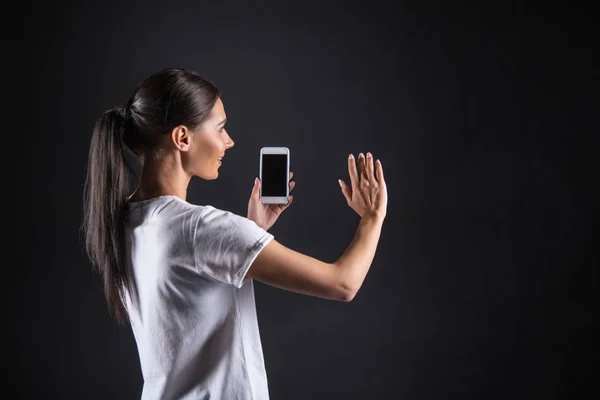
(377,216)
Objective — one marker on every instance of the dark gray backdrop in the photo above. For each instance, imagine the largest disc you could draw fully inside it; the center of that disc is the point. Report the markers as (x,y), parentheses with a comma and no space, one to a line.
(484,281)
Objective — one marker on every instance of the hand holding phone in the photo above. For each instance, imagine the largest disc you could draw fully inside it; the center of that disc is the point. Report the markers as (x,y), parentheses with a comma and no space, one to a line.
(274,175)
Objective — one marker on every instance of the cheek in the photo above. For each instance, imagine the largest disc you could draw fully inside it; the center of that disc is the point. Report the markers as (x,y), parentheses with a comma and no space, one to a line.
(206,156)
(206,151)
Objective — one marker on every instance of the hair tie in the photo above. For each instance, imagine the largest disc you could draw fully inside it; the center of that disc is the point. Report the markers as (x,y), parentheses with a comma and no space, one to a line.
(122,119)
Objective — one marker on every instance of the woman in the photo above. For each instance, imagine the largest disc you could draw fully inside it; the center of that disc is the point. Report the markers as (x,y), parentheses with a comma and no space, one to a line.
(181,274)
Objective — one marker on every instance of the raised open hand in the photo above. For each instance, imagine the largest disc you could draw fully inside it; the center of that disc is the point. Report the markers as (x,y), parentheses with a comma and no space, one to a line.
(367,192)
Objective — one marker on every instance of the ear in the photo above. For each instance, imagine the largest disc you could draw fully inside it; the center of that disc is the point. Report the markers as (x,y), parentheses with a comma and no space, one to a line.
(180,136)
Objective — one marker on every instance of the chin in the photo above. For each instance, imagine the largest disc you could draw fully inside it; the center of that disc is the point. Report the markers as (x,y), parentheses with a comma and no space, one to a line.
(207,177)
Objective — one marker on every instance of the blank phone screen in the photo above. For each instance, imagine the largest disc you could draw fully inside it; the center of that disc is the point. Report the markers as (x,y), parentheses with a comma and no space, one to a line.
(274,171)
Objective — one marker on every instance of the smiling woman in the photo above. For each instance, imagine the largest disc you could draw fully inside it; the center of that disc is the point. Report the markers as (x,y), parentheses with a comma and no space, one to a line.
(169,266)
(176,272)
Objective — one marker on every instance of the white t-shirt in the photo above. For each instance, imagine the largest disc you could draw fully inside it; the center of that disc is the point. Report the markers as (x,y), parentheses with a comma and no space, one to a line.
(192,309)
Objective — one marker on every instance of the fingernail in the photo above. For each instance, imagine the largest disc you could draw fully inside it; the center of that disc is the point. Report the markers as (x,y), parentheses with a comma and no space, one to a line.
(340,182)
(350,157)
(368,154)
(255,181)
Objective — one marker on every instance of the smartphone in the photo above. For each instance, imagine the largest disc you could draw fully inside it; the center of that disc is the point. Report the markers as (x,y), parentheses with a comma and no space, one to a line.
(274,175)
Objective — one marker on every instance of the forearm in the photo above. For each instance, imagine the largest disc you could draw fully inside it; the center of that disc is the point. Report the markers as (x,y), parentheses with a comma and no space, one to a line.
(356,260)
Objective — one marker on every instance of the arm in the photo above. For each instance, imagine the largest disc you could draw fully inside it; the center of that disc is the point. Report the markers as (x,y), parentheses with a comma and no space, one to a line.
(353,265)
(279,266)
(286,269)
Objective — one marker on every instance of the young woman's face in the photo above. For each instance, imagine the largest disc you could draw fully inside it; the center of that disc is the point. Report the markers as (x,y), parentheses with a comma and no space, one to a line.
(209,143)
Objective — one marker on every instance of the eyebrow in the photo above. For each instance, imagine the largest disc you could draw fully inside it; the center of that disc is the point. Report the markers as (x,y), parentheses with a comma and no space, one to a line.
(222,122)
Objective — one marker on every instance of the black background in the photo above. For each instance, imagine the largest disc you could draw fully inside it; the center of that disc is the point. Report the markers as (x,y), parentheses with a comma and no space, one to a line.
(485,281)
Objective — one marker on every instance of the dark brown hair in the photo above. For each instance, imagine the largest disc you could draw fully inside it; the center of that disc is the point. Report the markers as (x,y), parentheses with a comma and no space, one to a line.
(165,99)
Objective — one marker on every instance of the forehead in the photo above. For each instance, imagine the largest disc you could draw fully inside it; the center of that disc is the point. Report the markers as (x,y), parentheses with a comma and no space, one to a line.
(218,110)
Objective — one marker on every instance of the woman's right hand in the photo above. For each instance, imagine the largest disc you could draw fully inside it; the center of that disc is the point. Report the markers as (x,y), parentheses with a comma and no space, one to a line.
(367,193)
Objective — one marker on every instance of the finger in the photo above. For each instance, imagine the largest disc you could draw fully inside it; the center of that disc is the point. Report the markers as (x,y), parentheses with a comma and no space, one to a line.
(361,167)
(256,188)
(379,171)
(369,167)
(291,174)
(345,190)
(292,185)
(352,172)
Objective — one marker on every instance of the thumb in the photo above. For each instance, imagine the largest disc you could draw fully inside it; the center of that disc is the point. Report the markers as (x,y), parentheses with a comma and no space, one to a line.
(256,186)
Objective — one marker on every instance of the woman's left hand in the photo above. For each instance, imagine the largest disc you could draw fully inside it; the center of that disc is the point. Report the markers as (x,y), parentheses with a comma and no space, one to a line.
(265,215)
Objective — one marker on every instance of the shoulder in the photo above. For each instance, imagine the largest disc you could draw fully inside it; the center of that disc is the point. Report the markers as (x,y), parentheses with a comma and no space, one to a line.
(170,211)
(210,215)
(223,222)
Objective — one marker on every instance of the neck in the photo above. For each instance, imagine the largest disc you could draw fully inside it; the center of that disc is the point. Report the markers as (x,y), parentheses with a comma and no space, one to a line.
(162,177)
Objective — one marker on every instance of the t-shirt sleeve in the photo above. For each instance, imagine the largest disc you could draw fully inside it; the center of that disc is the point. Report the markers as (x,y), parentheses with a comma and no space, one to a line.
(226,244)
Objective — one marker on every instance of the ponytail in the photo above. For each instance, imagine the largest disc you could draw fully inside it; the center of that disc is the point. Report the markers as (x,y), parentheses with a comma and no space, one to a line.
(104,203)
